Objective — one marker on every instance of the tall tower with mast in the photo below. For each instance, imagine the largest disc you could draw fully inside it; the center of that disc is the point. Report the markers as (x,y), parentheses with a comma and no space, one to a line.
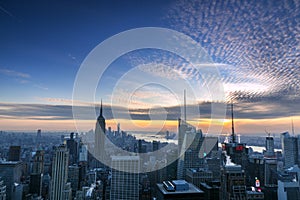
(100,136)
(238,152)
(232,125)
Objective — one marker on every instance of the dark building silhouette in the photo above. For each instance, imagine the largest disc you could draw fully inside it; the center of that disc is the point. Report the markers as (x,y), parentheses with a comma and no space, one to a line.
(38,136)
(73,178)
(11,173)
(142,148)
(100,136)
(155,145)
(35,186)
(72,145)
(270,174)
(233,184)
(198,176)
(14,153)
(270,147)
(211,190)
(36,176)
(256,169)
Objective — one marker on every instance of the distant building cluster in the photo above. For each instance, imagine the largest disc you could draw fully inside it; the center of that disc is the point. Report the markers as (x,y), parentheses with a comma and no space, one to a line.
(86,167)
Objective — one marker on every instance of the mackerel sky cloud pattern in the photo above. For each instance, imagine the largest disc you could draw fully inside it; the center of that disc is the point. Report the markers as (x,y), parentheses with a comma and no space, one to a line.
(256,42)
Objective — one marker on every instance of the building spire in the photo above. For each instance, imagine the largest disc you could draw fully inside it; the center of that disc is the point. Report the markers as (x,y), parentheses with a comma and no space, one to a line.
(232,124)
(101,109)
(293,130)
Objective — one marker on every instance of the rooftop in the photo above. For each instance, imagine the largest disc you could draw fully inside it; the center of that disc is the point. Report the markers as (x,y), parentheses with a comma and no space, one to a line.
(192,189)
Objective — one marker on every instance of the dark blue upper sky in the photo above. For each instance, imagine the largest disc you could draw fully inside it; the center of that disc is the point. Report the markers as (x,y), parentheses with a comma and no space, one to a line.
(48,40)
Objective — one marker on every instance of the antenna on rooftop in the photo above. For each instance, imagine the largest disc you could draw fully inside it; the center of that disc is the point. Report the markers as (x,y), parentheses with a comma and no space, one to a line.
(232,125)
(293,130)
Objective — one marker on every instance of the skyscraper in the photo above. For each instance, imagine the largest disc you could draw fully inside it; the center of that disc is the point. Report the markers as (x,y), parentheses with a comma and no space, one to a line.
(59,173)
(233,185)
(11,173)
(269,147)
(289,184)
(38,136)
(125,182)
(186,134)
(237,151)
(289,150)
(72,145)
(38,162)
(35,186)
(100,136)
(270,171)
(14,153)
(73,177)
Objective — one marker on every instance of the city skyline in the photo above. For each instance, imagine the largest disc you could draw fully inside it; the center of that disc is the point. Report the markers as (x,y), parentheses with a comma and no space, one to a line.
(254,46)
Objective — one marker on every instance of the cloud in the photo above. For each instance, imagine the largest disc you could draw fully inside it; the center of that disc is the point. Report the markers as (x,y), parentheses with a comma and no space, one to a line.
(41,87)
(7,12)
(73,58)
(13,73)
(261,108)
(259,40)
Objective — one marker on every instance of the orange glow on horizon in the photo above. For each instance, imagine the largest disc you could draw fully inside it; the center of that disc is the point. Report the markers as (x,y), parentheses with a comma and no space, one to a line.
(242,126)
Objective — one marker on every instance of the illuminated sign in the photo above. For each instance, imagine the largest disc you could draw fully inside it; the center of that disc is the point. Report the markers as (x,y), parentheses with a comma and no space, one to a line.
(257,183)
(239,148)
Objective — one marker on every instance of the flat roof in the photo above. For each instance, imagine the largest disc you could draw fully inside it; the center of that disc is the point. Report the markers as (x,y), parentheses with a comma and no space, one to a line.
(179,182)
(192,190)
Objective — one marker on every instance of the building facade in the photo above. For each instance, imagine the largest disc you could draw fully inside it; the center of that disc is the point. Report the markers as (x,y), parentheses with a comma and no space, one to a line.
(233,184)
(100,137)
(59,173)
(125,178)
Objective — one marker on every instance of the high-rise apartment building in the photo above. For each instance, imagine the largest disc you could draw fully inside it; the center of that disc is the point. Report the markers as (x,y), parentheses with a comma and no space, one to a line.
(269,147)
(125,178)
(289,149)
(59,173)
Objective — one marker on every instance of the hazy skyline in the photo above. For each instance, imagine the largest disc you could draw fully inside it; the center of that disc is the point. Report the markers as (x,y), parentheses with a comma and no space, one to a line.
(254,45)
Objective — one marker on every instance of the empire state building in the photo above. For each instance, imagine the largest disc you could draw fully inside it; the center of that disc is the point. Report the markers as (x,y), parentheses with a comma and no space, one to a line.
(100,136)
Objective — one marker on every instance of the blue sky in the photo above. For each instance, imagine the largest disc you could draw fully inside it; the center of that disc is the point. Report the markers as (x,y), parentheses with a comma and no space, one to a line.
(48,40)
(254,45)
